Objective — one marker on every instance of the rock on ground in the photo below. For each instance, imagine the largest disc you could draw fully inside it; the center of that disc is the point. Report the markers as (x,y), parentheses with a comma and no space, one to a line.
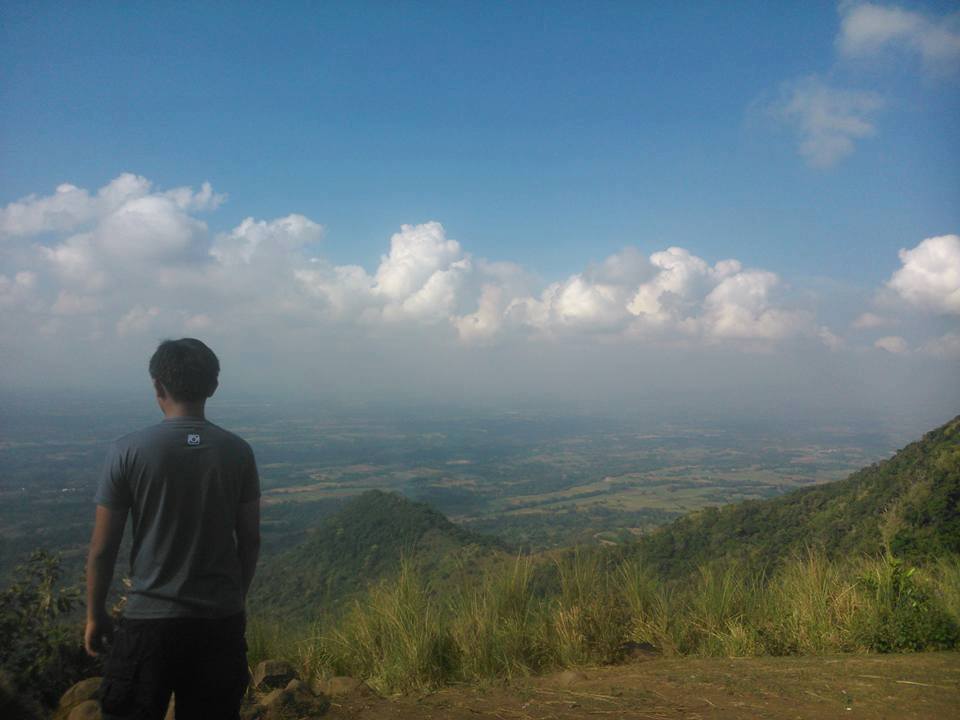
(79,702)
(87,710)
(271,674)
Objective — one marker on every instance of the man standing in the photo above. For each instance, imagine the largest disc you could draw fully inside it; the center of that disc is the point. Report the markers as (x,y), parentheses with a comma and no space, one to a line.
(192,492)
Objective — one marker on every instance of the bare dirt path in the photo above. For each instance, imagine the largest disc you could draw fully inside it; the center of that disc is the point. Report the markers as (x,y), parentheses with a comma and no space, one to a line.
(923,685)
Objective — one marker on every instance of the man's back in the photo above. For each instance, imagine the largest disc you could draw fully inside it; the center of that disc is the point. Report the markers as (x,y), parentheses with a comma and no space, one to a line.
(182,480)
(192,493)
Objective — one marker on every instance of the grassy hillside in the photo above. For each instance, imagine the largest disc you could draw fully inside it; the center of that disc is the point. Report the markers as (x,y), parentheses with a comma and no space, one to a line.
(908,504)
(360,544)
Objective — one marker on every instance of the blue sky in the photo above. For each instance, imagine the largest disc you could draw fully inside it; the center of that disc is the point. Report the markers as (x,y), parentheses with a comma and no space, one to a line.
(534,131)
(809,140)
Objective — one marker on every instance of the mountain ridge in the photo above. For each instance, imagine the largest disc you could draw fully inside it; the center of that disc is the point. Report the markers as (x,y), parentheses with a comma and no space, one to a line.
(364,541)
(908,505)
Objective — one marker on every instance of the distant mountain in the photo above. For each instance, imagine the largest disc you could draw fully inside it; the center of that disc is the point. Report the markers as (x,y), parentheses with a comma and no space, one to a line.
(909,504)
(362,543)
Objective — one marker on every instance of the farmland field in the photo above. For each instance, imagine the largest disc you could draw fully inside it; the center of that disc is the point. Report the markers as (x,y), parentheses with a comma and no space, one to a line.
(536,479)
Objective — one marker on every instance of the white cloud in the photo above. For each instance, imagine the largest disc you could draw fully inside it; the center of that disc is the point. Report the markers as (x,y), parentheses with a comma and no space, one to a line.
(868,320)
(18,290)
(204,199)
(681,283)
(484,324)
(148,228)
(197,323)
(75,261)
(947,346)
(828,120)
(868,29)
(740,307)
(69,303)
(416,253)
(261,240)
(673,294)
(829,338)
(143,262)
(930,276)
(892,344)
(70,207)
(137,320)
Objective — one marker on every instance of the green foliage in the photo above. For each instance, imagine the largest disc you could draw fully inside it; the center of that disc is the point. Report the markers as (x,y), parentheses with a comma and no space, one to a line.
(358,545)
(39,650)
(901,614)
(909,504)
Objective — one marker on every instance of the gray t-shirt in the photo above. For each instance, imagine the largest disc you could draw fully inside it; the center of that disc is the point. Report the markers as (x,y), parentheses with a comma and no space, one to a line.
(182,481)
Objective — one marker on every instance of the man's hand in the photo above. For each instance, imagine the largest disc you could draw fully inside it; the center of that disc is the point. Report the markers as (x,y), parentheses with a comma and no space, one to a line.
(99,629)
(107,532)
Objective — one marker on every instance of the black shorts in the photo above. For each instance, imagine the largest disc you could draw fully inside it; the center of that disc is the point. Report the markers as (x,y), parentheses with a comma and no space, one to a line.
(203,661)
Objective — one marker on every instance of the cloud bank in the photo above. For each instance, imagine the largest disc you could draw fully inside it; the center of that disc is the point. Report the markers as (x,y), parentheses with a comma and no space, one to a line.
(129,259)
(89,281)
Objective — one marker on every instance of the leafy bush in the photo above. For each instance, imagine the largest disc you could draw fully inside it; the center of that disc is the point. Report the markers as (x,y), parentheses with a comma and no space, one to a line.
(900,613)
(40,650)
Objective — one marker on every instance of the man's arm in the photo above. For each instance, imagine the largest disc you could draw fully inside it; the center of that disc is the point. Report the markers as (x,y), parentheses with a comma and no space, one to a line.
(248,541)
(107,533)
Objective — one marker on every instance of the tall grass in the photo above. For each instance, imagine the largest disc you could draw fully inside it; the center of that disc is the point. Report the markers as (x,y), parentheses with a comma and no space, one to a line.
(652,609)
(946,585)
(589,615)
(811,605)
(500,626)
(397,638)
(403,636)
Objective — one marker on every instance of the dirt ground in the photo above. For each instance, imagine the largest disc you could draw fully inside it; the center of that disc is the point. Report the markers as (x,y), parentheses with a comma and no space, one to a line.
(923,685)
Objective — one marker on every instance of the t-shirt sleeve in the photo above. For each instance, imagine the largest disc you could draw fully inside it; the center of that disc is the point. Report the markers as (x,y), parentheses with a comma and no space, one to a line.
(250,479)
(113,490)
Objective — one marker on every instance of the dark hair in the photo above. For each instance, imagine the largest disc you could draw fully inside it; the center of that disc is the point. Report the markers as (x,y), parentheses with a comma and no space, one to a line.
(186,368)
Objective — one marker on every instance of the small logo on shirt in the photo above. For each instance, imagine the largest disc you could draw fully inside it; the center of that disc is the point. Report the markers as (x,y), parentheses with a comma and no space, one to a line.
(193,439)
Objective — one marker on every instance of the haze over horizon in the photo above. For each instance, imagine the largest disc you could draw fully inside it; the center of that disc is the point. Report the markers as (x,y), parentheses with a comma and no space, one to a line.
(744,208)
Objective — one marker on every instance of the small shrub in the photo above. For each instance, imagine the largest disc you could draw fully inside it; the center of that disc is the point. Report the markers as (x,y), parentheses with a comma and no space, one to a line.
(40,651)
(900,614)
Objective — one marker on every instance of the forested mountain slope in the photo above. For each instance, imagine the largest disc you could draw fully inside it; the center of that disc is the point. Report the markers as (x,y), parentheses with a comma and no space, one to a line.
(362,543)
(908,504)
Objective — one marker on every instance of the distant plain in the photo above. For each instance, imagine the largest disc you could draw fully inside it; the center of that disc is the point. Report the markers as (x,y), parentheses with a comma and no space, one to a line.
(537,479)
